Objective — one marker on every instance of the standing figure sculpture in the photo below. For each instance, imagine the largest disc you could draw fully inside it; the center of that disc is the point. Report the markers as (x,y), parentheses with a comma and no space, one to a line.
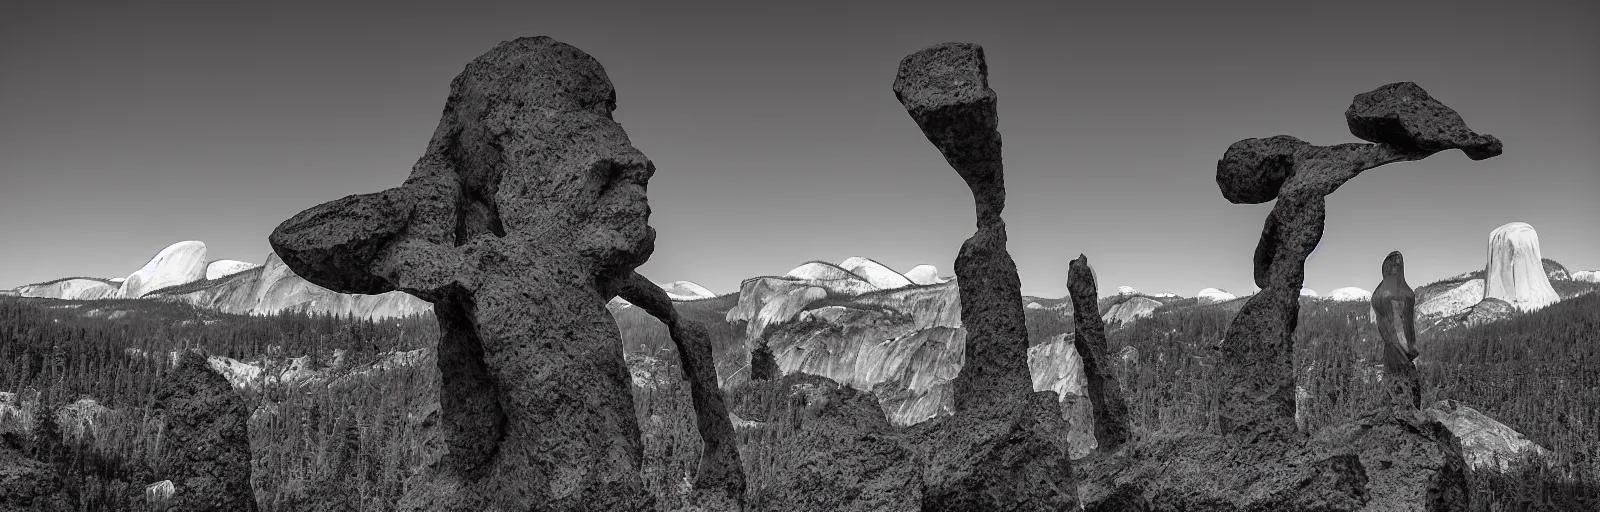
(519,223)
(1394,313)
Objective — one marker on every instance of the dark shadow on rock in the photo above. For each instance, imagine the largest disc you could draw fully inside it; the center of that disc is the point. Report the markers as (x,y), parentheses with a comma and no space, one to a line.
(838,452)
(205,446)
(1004,446)
(528,196)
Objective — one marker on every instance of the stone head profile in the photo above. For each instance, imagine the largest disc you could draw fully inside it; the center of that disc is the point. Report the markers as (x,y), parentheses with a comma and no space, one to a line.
(1394,265)
(526,151)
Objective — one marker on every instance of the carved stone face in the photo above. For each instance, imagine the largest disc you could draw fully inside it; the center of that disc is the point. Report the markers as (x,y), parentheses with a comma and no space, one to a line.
(543,152)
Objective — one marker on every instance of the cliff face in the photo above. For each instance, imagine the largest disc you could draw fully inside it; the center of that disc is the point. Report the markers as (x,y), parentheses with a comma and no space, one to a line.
(70,289)
(179,263)
(273,288)
(1516,272)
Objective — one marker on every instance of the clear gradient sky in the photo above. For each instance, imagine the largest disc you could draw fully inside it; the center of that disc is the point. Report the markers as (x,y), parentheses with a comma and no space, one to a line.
(126,126)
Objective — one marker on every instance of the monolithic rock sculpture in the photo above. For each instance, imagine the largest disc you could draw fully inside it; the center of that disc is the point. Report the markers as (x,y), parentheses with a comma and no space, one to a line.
(1394,308)
(1003,448)
(205,444)
(529,197)
(1089,338)
(1406,124)
(719,459)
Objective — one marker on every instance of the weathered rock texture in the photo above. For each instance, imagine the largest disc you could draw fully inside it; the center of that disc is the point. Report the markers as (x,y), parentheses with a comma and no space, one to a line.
(205,447)
(1407,125)
(1516,272)
(528,197)
(1394,307)
(1389,459)
(720,468)
(1485,443)
(842,455)
(1002,449)
(1089,338)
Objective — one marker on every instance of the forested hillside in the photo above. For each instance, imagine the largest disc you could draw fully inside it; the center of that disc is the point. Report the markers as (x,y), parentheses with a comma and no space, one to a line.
(353,411)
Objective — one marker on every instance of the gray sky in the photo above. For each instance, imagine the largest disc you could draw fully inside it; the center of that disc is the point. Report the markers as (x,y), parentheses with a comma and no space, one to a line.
(127,126)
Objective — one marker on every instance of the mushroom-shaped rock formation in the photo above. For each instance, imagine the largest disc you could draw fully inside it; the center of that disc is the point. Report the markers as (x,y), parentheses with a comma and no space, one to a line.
(1389,459)
(1409,125)
(528,196)
(207,447)
(720,468)
(1002,448)
(1394,312)
(1105,394)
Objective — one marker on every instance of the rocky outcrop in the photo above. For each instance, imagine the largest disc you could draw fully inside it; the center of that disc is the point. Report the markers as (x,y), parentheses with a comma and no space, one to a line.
(274,288)
(1127,290)
(1587,276)
(179,263)
(1485,443)
(1454,301)
(1391,459)
(924,275)
(841,454)
(1055,366)
(875,273)
(1001,448)
(223,268)
(1213,295)
(720,469)
(1394,314)
(685,290)
(1489,310)
(1111,427)
(80,418)
(528,197)
(74,288)
(1516,272)
(1349,294)
(205,447)
(1133,308)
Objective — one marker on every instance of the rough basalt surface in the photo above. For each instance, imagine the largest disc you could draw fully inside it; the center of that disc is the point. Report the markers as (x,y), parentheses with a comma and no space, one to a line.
(1403,115)
(1259,362)
(720,468)
(1394,313)
(1004,446)
(841,454)
(1394,458)
(205,444)
(528,197)
(1089,338)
